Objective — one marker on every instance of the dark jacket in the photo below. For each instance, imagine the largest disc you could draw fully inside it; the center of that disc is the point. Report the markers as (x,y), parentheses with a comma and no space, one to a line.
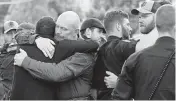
(111,57)
(25,86)
(142,70)
(7,71)
(67,48)
(64,49)
(73,75)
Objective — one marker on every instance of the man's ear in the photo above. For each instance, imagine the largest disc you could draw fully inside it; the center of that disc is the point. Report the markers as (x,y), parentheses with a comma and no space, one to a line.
(88,33)
(118,26)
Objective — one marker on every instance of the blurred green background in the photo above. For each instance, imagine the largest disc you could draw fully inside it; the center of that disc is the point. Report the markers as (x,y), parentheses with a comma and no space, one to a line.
(33,10)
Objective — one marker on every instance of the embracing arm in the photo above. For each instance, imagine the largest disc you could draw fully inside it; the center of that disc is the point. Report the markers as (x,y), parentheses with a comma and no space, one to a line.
(29,37)
(63,71)
(84,46)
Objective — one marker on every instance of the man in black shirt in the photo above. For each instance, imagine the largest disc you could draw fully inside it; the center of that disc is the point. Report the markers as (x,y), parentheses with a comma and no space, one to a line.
(114,52)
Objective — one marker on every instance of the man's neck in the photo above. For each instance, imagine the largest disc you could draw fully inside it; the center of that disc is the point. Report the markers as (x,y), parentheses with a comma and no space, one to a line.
(154,30)
(164,34)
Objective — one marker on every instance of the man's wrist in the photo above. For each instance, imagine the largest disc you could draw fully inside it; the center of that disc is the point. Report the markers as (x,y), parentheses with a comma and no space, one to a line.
(25,62)
(36,39)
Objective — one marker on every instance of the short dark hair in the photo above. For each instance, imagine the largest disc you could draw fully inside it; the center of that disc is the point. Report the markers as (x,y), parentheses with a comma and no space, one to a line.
(45,27)
(165,18)
(113,17)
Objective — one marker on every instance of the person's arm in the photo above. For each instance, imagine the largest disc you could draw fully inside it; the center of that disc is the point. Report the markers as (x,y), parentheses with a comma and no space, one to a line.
(29,37)
(63,71)
(84,46)
(124,86)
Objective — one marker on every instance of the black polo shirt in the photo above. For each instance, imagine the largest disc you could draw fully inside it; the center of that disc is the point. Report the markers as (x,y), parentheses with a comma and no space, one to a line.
(111,57)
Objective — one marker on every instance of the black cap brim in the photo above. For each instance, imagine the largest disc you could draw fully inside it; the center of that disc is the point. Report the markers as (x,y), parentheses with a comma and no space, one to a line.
(134,12)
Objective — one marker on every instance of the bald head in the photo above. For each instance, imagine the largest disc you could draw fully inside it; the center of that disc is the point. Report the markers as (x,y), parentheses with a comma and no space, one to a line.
(165,18)
(67,26)
(71,18)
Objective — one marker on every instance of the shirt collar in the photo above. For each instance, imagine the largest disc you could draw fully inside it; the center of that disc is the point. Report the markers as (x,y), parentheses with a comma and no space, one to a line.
(110,38)
(165,40)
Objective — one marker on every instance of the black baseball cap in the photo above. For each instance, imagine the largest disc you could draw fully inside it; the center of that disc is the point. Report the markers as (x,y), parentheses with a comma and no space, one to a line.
(92,22)
(149,7)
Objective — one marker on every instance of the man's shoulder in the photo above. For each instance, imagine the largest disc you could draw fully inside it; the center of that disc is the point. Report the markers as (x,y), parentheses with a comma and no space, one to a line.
(127,44)
(142,52)
(34,52)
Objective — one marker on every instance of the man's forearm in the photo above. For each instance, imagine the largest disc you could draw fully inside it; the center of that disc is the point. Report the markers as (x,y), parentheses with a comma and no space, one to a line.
(45,71)
(84,46)
(62,71)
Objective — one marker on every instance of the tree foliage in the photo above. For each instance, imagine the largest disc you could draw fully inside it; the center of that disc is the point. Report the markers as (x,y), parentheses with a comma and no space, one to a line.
(32,11)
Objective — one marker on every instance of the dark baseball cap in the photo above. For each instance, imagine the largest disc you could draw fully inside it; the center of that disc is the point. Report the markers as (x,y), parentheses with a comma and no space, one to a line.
(92,22)
(149,7)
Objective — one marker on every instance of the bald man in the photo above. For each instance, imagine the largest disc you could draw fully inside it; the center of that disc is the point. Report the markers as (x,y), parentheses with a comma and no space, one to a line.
(66,31)
(67,26)
(150,74)
(70,85)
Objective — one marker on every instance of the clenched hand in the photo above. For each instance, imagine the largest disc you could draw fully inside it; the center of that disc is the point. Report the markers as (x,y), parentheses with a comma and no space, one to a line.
(19,57)
(110,80)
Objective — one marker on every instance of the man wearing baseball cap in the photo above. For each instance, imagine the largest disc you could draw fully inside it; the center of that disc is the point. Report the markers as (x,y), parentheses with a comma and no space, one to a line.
(6,57)
(74,74)
(10,25)
(92,28)
(10,28)
(150,73)
(146,13)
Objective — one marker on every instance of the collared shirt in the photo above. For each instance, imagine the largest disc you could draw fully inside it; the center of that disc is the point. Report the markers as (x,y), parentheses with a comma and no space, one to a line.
(147,40)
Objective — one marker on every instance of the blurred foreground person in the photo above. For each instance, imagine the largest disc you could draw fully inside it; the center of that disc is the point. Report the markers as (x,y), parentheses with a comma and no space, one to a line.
(150,74)
(73,74)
